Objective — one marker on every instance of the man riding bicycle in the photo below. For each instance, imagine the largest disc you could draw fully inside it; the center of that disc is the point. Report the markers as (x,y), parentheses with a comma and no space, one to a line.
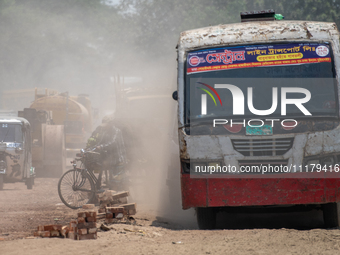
(107,139)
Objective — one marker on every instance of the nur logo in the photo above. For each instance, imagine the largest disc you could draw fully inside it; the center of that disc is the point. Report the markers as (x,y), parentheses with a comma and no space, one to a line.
(204,97)
(239,99)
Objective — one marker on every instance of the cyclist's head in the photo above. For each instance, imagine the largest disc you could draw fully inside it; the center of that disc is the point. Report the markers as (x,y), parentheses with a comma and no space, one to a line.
(108,119)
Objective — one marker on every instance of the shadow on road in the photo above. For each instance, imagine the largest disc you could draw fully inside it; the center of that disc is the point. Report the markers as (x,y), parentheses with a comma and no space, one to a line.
(295,220)
(292,220)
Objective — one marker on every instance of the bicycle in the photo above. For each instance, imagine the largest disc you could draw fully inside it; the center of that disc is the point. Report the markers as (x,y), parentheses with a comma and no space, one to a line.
(79,185)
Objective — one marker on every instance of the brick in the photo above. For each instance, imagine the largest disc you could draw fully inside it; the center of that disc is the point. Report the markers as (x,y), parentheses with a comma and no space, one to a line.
(111,195)
(131,212)
(101,215)
(87,237)
(115,209)
(55,233)
(91,219)
(72,235)
(130,208)
(88,206)
(64,231)
(123,200)
(82,214)
(92,230)
(73,226)
(109,215)
(120,195)
(80,220)
(91,214)
(87,225)
(49,227)
(53,227)
(82,231)
(44,233)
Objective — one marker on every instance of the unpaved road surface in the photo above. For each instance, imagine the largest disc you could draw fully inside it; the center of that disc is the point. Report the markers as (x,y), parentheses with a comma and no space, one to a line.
(22,210)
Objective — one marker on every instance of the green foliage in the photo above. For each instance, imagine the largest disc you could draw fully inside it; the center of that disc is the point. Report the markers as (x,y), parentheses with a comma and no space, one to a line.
(156,24)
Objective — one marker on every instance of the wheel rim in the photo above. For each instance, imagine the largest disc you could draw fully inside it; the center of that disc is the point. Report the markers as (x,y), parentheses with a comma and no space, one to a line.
(75,189)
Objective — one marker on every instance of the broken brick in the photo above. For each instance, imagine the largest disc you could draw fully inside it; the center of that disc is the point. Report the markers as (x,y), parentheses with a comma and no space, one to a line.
(64,231)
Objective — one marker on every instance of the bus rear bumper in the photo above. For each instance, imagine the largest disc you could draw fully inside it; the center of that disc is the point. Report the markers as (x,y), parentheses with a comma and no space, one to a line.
(221,192)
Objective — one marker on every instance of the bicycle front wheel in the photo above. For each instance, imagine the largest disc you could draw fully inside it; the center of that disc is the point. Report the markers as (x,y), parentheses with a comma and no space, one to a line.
(76,188)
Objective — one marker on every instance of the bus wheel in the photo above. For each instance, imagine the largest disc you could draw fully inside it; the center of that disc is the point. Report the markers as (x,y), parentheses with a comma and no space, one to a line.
(206,218)
(331,215)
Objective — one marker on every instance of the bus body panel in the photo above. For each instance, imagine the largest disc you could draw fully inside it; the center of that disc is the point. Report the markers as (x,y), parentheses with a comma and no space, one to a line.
(214,192)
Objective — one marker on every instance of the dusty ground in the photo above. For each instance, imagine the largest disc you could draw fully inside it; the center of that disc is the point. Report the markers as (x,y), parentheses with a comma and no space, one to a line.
(23,210)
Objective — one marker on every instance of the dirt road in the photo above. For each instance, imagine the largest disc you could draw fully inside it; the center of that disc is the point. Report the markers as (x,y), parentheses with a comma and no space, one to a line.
(23,210)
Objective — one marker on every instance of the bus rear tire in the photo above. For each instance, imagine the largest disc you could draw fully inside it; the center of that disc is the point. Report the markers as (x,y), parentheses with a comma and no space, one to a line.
(206,217)
(331,215)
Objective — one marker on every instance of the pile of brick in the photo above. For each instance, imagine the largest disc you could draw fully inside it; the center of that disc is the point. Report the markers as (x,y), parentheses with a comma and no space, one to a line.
(111,198)
(114,214)
(113,209)
(113,206)
(86,226)
(83,228)
(51,231)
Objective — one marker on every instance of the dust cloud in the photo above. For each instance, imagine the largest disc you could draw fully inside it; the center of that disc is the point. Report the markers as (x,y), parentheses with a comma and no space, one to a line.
(95,48)
(147,116)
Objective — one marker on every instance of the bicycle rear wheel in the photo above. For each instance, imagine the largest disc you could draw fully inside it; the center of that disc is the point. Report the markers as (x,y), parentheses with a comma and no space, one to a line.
(76,188)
